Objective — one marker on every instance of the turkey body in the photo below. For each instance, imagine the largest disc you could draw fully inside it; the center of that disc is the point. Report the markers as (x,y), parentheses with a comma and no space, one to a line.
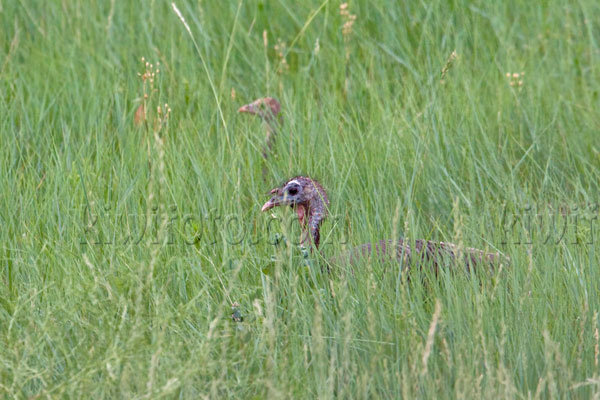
(418,253)
(309,199)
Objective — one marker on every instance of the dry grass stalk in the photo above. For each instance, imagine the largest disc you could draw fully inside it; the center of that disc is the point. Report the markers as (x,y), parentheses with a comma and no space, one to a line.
(449,62)
(431,336)
(597,338)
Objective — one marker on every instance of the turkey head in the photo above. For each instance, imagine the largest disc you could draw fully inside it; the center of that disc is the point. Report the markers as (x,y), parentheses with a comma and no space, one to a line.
(267,108)
(308,198)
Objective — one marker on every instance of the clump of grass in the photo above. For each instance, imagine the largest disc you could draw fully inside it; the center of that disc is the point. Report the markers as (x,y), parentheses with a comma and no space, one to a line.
(135,261)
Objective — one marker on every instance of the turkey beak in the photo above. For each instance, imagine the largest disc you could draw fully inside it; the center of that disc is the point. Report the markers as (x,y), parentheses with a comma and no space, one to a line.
(248,108)
(273,202)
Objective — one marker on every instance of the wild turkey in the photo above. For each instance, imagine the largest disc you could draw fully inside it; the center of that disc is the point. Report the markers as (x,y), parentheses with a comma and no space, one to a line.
(308,198)
(267,108)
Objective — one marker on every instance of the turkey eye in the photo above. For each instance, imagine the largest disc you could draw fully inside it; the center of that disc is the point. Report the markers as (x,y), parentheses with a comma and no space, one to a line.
(292,191)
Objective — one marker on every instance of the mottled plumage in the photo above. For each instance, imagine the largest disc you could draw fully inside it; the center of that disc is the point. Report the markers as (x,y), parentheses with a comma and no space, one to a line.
(420,252)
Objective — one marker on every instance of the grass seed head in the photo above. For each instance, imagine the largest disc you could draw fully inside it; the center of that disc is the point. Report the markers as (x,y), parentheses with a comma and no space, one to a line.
(453,56)
(515,79)
(348,19)
(280,49)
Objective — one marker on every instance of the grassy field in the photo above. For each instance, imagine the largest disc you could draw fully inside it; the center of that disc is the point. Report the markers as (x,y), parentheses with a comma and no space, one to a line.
(125,248)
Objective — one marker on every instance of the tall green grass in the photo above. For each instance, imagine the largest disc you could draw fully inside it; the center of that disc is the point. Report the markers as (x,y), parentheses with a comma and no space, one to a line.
(94,305)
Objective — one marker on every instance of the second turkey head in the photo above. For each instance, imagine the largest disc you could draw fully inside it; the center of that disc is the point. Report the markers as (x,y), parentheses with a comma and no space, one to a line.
(308,198)
(266,108)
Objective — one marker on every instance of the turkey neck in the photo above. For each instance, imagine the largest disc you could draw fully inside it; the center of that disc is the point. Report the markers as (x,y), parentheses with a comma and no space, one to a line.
(311,215)
(272,129)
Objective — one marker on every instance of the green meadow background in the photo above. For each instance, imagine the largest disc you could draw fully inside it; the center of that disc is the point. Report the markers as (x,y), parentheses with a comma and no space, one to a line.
(131,251)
